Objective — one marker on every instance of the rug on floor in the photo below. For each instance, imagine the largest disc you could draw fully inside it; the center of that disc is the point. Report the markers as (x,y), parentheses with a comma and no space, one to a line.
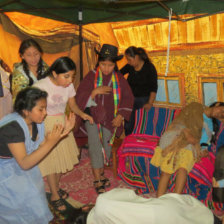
(79,182)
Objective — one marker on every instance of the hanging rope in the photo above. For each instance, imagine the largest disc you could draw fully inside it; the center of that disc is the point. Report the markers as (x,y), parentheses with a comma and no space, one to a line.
(168,45)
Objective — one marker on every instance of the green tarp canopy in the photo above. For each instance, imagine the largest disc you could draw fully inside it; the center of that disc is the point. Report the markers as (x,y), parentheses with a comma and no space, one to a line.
(83,12)
(94,11)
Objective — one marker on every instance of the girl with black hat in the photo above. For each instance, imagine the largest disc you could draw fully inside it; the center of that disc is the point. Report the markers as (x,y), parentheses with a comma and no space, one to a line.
(106,95)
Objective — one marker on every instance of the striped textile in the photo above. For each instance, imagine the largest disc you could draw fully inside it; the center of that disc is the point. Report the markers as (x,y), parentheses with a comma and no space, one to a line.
(117,94)
(137,149)
(154,122)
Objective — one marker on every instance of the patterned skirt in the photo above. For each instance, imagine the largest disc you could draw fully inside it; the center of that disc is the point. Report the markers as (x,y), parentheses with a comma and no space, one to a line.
(64,155)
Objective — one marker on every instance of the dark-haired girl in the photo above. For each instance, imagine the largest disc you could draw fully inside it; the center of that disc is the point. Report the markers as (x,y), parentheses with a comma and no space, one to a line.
(23,145)
(142,79)
(58,83)
(106,95)
(30,69)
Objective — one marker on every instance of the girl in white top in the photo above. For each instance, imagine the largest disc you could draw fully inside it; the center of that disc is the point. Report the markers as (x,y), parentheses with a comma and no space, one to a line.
(58,83)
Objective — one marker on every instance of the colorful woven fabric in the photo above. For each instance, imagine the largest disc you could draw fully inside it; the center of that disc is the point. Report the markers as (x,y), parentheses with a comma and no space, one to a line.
(135,154)
(116,93)
(154,122)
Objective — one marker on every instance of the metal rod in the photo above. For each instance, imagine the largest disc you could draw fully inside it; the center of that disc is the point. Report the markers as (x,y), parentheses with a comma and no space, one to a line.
(80,44)
(168,9)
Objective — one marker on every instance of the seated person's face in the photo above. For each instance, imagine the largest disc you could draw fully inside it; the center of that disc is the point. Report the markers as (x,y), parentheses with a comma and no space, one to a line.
(218,113)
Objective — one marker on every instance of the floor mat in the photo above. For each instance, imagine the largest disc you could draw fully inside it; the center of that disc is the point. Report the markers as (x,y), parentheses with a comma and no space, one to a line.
(79,181)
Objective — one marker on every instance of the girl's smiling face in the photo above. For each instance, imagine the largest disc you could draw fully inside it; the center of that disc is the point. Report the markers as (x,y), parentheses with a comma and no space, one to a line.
(63,79)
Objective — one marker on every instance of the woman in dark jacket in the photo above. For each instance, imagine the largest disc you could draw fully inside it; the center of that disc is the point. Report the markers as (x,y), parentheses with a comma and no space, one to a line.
(142,80)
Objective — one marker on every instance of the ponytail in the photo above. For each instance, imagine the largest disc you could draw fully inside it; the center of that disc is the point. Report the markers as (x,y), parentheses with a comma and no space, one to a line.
(133,51)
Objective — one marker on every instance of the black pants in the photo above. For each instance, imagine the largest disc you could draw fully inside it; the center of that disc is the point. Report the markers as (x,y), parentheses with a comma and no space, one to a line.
(138,103)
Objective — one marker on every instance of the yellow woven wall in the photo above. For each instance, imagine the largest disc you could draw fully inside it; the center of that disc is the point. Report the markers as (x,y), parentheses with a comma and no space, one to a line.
(196,46)
(191,66)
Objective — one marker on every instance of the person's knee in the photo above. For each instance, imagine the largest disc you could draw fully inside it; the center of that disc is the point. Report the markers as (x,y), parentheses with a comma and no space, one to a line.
(165,174)
(182,170)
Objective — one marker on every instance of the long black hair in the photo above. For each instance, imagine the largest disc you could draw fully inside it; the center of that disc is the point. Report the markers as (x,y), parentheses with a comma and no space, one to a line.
(61,65)
(27,98)
(133,51)
(215,122)
(40,69)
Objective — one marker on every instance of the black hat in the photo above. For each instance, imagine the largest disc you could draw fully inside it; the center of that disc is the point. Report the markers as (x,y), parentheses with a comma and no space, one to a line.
(110,51)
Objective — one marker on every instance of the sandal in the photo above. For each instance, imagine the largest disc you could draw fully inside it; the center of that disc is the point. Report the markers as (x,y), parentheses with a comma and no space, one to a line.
(105,180)
(57,204)
(87,207)
(99,189)
(63,194)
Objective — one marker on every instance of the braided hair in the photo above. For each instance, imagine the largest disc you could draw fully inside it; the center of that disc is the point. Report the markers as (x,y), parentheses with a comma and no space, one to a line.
(40,69)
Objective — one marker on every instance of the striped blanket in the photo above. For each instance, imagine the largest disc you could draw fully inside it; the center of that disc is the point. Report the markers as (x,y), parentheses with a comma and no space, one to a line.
(137,149)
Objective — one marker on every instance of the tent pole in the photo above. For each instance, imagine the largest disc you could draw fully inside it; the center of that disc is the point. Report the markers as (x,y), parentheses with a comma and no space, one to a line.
(80,44)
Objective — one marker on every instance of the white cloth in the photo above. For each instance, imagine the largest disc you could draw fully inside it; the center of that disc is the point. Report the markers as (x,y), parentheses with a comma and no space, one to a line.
(57,95)
(123,206)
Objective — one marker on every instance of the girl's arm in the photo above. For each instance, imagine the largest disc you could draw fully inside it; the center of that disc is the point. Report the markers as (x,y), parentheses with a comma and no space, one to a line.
(75,109)
(101,90)
(117,121)
(26,161)
(69,123)
(150,102)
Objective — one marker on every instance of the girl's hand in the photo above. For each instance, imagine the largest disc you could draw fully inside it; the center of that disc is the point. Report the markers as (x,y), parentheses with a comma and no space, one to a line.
(55,134)
(85,117)
(117,121)
(69,123)
(101,90)
(147,106)
(214,182)
(204,153)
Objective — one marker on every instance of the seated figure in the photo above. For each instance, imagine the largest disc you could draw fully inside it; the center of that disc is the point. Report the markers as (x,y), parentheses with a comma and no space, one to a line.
(182,144)
(137,150)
